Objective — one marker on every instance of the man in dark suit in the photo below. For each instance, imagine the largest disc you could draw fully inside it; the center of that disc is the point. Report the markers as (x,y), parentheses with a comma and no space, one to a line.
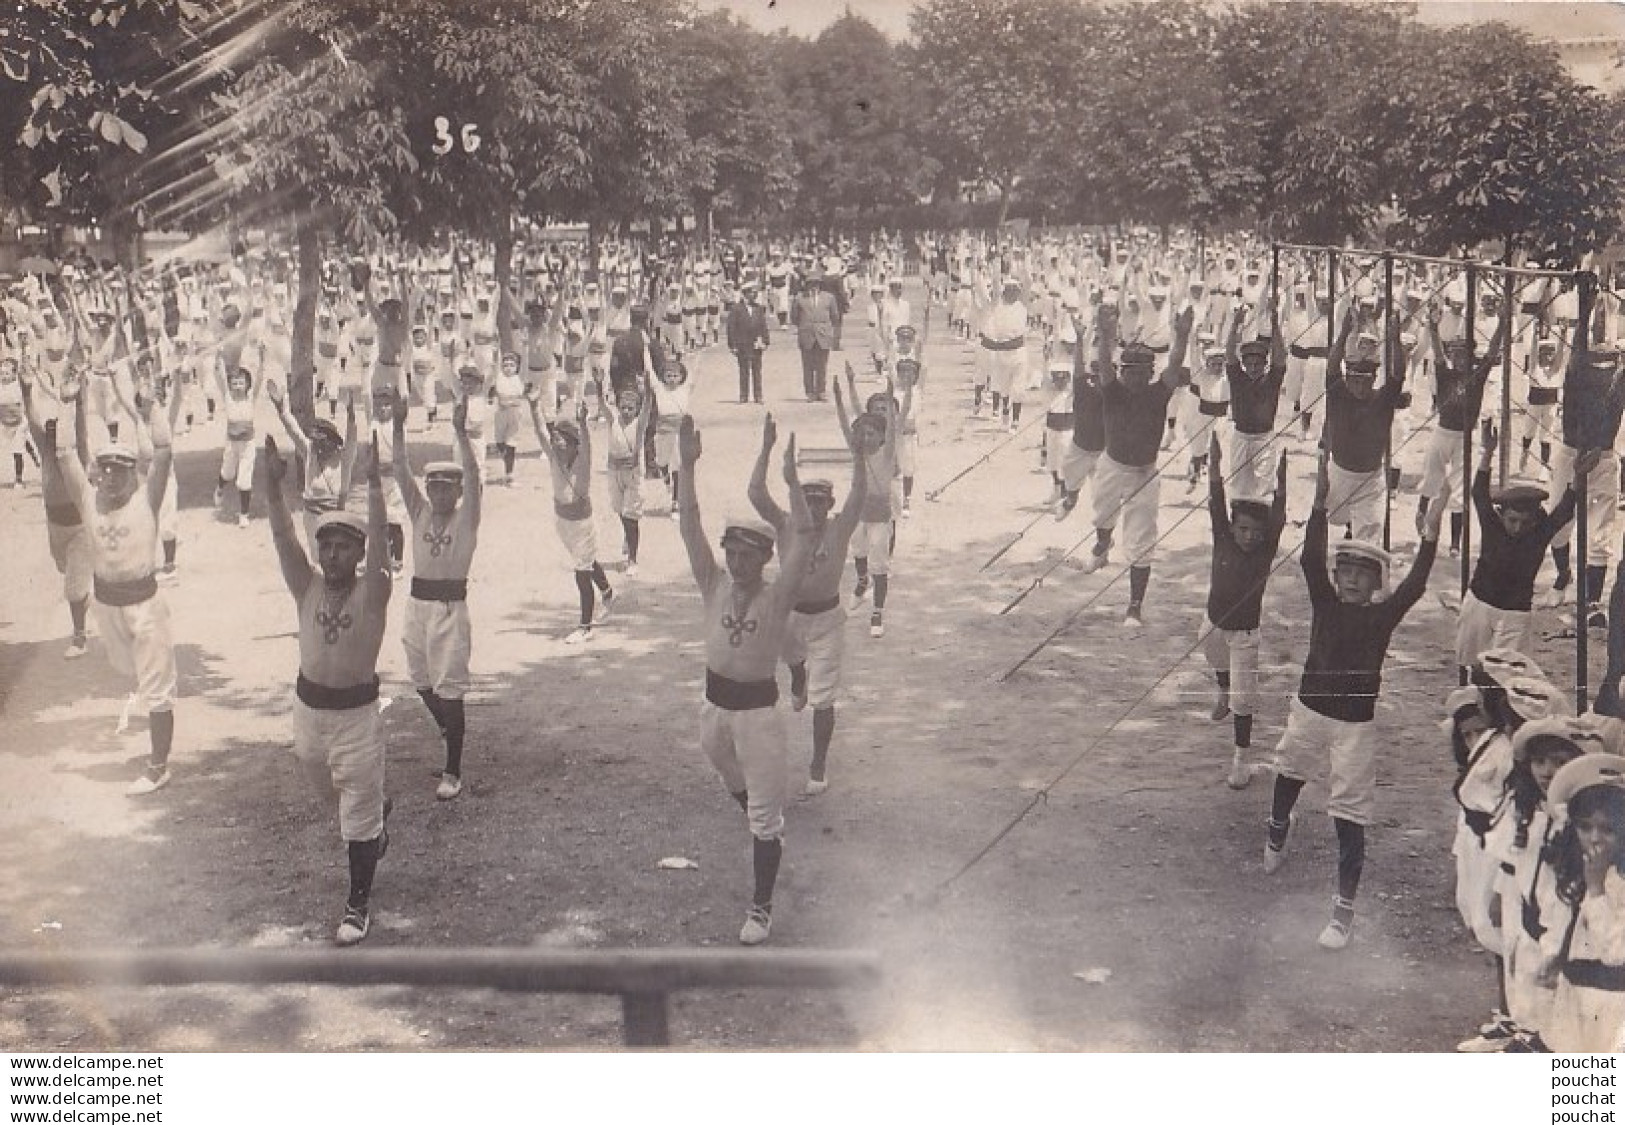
(747,337)
(816,317)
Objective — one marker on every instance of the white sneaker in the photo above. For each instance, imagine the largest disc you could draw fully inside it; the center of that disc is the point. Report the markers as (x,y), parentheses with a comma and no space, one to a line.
(77,647)
(877,624)
(1240,773)
(242,519)
(450,785)
(906,512)
(148,782)
(758,925)
(357,921)
(814,788)
(582,633)
(631,568)
(1335,936)
(1094,562)
(605,600)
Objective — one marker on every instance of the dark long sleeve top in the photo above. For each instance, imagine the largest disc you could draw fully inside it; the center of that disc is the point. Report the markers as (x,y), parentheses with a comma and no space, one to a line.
(1342,674)
(1235,597)
(1504,576)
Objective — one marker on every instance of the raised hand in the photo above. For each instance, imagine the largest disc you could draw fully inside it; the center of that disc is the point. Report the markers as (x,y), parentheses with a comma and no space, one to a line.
(791,474)
(374,477)
(770,431)
(273,391)
(688,441)
(459,418)
(276,465)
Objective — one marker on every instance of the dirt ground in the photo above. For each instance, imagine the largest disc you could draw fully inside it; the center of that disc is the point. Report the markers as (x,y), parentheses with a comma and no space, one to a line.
(583,771)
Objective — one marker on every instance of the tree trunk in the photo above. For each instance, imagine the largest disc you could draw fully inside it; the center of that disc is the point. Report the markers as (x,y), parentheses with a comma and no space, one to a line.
(302,377)
(504,275)
(1004,202)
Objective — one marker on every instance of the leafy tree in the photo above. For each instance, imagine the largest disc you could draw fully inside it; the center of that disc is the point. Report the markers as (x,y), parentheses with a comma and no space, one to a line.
(1162,144)
(735,116)
(999,76)
(1512,149)
(94,91)
(854,120)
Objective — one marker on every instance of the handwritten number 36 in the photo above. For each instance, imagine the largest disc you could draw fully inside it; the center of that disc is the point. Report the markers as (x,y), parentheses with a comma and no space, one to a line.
(444,142)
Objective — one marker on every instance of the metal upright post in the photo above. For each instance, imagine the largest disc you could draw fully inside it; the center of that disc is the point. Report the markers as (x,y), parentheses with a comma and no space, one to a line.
(1506,377)
(1467,424)
(1390,362)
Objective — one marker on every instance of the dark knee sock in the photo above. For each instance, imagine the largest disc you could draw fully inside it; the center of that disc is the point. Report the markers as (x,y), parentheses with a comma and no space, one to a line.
(245,496)
(434,703)
(455,726)
(584,588)
(1350,857)
(1545,452)
(508,454)
(17,463)
(599,578)
(1501,984)
(765,856)
(978,393)
(1244,730)
(396,535)
(742,799)
(170,547)
(798,679)
(881,585)
(1139,577)
(1281,802)
(363,865)
(891,542)
(1223,679)
(629,527)
(823,733)
(161,736)
(77,610)
(675,476)
(908,488)
(1596,578)
(1103,540)
(1560,559)
(1455,529)
(861,562)
(1015,412)
(112,431)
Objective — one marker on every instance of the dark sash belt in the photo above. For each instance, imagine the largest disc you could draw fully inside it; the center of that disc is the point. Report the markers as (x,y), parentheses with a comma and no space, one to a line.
(1586,973)
(813,609)
(133,592)
(732,695)
(319,698)
(1543,396)
(440,589)
(1213,409)
(1003,345)
(1298,351)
